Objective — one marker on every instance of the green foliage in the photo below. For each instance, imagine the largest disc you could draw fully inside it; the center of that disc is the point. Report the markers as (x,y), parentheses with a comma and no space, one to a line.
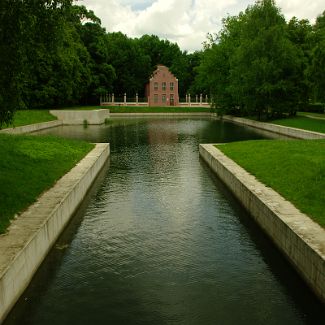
(258,63)
(313,107)
(102,72)
(25,171)
(131,64)
(57,54)
(295,169)
(316,70)
(10,58)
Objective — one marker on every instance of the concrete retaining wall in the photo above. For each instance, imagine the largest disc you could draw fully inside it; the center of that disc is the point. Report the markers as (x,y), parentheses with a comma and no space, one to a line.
(32,127)
(296,235)
(32,234)
(284,130)
(205,114)
(72,117)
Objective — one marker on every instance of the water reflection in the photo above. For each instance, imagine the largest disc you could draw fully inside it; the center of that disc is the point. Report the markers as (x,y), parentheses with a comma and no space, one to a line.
(163,242)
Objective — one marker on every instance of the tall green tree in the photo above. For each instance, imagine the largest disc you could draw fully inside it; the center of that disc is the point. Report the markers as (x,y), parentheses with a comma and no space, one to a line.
(316,71)
(11,40)
(131,64)
(252,67)
(56,63)
(95,40)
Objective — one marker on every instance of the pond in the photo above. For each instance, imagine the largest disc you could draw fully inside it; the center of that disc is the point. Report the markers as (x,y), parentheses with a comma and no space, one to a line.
(159,240)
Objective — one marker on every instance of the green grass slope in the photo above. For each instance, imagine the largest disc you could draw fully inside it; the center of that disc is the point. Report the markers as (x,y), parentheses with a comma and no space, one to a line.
(29,165)
(295,169)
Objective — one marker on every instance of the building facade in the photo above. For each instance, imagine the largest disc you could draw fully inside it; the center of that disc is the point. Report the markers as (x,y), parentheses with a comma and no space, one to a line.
(162,88)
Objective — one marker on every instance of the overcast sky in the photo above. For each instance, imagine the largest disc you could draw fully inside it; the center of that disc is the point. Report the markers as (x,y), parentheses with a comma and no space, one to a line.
(184,21)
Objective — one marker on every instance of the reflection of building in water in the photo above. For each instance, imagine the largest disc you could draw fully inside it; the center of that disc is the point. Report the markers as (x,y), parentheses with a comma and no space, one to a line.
(162,88)
(162,133)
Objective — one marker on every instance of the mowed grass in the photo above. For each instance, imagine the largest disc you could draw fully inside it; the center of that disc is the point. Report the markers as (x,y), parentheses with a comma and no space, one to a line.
(30,165)
(310,114)
(303,122)
(144,109)
(293,168)
(25,117)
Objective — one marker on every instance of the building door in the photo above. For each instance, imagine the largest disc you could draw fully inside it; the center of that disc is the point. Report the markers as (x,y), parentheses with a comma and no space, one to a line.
(171,99)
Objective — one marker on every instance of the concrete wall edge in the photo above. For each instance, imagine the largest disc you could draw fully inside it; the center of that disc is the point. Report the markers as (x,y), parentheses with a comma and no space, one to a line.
(299,238)
(279,129)
(30,236)
(32,127)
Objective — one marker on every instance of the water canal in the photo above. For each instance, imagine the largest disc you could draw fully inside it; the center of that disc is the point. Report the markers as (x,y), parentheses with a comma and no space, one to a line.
(160,241)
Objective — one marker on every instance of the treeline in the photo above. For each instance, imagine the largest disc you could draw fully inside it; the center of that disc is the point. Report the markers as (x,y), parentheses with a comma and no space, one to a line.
(54,53)
(259,64)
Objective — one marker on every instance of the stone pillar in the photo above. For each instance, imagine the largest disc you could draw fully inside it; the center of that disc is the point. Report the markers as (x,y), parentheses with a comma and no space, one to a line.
(206,98)
(136,99)
(113,98)
(196,98)
(186,100)
(200,99)
(189,99)
(124,98)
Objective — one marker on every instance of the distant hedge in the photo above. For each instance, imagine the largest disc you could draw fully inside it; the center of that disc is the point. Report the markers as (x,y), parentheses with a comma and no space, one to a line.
(313,107)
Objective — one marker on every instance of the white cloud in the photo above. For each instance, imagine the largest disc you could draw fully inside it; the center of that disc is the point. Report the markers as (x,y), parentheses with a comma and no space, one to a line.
(184,21)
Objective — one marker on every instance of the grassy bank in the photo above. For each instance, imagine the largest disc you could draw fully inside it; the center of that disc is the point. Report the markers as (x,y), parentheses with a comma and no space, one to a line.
(25,117)
(314,115)
(30,165)
(303,122)
(295,169)
(144,109)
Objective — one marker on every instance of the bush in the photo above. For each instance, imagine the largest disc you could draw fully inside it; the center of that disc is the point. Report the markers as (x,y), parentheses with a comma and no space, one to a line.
(313,108)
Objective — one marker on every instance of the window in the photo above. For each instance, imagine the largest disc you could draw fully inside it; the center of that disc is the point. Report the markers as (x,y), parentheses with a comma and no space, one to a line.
(163,98)
(164,86)
(156,86)
(171,86)
(155,98)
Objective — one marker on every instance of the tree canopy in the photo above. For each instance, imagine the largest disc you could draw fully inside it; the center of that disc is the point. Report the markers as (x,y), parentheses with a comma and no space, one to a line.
(56,53)
(260,64)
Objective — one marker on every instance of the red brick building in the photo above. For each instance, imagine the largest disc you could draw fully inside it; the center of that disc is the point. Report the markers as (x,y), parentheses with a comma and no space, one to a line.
(162,89)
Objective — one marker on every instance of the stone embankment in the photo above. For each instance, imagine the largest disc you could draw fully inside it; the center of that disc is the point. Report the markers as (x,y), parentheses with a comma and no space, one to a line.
(32,234)
(300,239)
(279,129)
(75,117)
(32,127)
(166,114)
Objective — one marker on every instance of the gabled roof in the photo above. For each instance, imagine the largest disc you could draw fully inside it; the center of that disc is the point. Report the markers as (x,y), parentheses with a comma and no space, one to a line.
(161,67)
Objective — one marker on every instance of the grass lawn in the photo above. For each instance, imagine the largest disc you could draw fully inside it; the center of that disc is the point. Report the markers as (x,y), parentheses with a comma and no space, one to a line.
(144,109)
(25,117)
(302,122)
(30,165)
(294,168)
(316,115)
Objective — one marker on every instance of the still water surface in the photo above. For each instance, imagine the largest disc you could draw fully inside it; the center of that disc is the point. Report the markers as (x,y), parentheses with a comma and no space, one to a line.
(160,241)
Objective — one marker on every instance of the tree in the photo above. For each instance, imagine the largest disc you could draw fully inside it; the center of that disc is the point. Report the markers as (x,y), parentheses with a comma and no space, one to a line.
(316,71)
(11,14)
(252,67)
(131,64)
(102,73)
